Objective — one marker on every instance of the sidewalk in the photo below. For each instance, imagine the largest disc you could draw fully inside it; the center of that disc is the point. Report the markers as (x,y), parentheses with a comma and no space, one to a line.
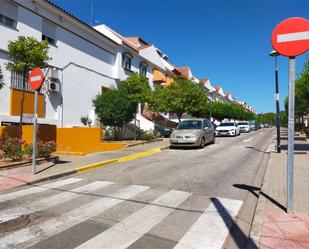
(272,226)
(72,164)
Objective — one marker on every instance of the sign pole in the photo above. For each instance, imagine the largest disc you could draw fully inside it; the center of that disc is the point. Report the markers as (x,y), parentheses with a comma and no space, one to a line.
(290,168)
(35,123)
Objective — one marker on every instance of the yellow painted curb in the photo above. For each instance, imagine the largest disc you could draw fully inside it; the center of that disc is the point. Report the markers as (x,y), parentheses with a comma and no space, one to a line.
(95,165)
(67,153)
(118,160)
(138,155)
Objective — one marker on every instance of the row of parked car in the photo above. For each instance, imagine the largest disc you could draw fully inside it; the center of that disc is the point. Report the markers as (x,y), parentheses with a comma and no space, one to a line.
(199,132)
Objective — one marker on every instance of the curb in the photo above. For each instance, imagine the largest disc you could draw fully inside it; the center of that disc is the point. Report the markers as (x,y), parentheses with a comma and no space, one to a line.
(96,165)
(145,142)
(26,163)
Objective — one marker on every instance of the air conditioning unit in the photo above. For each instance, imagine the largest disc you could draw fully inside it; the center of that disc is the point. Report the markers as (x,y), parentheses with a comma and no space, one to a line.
(53,86)
(52,81)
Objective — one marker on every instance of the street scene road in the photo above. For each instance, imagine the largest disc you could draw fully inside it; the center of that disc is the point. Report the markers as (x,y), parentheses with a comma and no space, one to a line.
(178,198)
(154,124)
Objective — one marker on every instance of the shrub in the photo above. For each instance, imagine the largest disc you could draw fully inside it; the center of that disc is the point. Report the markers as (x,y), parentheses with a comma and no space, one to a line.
(43,149)
(13,148)
(147,135)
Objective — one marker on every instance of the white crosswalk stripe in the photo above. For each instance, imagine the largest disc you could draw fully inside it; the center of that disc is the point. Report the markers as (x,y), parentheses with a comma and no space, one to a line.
(53,200)
(68,220)
(38,189)
(207,229)
(211,229)
(138,223)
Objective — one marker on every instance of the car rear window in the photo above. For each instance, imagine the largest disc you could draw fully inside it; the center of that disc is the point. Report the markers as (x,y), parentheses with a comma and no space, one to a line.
(243,123)
(189,125)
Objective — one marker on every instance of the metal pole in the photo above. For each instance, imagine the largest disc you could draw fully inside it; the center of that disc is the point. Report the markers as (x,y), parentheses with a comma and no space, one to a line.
(290,168)
(35,121)
(277,108)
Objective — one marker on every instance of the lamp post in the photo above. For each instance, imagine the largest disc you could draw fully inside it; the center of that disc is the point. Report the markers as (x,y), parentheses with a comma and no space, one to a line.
(275,54)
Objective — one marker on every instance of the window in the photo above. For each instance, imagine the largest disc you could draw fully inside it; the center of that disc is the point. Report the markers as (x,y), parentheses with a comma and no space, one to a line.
(49,33)
(17,82)
(126,61)
(143,69)
(8,14)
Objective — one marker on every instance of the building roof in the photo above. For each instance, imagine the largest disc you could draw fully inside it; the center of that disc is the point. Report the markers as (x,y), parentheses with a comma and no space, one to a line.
(51,3)
(185,71)
(136,40)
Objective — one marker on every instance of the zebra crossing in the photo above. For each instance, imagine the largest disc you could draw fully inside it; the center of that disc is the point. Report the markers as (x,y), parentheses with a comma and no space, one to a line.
(132,216)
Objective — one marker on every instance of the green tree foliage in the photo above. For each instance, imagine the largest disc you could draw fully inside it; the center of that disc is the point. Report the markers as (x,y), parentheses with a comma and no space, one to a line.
(183,96)
(137,88)
(301,96)
(267,118)
(114,108)
(220,111)
(24,54)
(1,79)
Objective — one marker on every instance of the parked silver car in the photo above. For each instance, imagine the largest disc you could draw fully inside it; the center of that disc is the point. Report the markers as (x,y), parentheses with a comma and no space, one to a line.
(193,133)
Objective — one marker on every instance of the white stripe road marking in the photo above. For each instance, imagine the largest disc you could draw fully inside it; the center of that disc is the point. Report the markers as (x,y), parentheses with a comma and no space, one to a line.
(36,233)
(37,189)
(210,229)
(54,200)
(297,36)
(127,231)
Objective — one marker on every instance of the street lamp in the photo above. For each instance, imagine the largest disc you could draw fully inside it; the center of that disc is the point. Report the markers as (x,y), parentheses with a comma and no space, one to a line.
(275,54)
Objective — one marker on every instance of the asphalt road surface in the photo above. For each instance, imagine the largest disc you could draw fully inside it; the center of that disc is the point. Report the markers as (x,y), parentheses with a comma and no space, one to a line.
(179,198)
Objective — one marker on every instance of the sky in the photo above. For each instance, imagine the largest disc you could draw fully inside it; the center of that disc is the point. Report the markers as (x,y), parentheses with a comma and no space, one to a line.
(227,42)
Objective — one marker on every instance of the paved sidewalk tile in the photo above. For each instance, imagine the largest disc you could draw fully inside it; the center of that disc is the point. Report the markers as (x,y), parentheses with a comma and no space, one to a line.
(272,226)
(282,230)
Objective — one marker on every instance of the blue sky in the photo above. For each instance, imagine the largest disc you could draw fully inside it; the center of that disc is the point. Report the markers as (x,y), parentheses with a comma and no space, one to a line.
(225,41)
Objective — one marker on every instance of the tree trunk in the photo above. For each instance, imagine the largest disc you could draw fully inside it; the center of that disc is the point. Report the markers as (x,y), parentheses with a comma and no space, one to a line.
(22,104)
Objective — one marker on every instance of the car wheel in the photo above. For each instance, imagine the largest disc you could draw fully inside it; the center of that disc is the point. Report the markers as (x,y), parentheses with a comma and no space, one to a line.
(213,141)
(202,143)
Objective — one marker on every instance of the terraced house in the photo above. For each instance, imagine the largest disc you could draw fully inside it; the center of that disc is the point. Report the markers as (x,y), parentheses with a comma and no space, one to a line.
(84,61)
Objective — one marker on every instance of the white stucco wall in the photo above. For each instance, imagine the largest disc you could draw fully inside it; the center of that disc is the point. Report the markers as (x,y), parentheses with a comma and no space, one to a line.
(85,64)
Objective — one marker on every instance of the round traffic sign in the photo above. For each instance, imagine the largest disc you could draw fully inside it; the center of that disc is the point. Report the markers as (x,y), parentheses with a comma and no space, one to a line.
(36,78)
(291,37)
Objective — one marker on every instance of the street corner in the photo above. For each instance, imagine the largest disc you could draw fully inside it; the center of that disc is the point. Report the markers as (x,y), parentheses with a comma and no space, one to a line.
(14,178)
(284,230)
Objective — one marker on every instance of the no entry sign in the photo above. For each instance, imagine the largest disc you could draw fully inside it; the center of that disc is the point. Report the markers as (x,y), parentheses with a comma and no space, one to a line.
(36,78)
(291,37)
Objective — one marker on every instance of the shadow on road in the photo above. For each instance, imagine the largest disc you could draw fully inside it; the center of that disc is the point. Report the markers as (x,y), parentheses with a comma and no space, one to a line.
(256,191)
(55,163)
(236,233)
(253,148)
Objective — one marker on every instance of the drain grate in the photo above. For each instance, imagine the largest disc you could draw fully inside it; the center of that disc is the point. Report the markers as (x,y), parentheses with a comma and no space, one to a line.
(13,223)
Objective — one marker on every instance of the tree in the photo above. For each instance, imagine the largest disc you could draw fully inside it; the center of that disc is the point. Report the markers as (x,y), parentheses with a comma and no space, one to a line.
(24,54)
(1,79)
(114,108)
(183,96)
(137,88)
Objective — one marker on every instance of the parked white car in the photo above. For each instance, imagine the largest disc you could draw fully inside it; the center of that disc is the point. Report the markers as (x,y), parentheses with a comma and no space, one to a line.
(244,126)
(227,129)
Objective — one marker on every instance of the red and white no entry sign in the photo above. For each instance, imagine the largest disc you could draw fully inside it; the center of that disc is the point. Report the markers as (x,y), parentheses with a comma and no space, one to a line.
(36,78)
(291,37)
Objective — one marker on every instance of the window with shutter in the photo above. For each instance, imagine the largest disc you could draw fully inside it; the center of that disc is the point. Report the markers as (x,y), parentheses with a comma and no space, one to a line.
(49,32)
(8,14)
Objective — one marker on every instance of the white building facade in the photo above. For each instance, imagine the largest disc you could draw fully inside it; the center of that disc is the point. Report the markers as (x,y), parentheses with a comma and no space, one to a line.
(84,62)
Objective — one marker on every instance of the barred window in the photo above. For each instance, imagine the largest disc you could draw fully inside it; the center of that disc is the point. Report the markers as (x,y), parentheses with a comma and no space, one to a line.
(17,83)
